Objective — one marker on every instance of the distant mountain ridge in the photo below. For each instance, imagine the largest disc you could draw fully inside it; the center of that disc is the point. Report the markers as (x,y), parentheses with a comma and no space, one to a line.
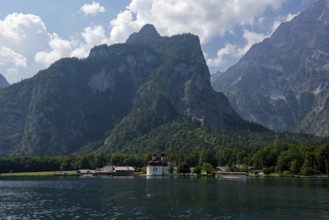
(3,82)
(120,94)
(283,81)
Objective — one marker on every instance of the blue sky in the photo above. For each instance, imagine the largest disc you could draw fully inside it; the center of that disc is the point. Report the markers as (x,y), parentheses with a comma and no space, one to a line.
(36,33)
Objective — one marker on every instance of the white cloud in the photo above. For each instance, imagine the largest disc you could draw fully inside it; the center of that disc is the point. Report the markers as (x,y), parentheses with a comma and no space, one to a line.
(8,54)
(92,36)
(92,9)
(27,41)
(251,38)
(282,19)
(229,49)
(205,18)
(23,35)
(233,51)
(29,47)
(122,27)
(12,63)
(17,26)
(59,48)
(80,52)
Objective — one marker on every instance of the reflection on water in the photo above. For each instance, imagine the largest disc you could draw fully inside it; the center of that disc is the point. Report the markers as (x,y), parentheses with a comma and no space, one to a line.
(163,198)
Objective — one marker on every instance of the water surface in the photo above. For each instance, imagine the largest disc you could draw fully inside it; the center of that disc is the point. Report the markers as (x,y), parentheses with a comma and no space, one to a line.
(163,198)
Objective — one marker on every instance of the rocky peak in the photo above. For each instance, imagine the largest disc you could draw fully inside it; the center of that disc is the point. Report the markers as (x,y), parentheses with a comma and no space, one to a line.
(148,35)
(149,29)
(278,82)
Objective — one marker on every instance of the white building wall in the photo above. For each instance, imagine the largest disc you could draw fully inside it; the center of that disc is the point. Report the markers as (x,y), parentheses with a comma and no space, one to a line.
(156,170)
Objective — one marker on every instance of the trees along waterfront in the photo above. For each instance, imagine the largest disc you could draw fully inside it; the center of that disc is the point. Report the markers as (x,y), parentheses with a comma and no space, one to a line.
(282,158)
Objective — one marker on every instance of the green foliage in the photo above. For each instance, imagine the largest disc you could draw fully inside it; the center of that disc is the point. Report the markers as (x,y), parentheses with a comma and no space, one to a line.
(183,168)
(117,159)
(268,170)
(265,157)
(293,159)
(207,168)
(141,170)
(322,158)
(171,169)
(208,156)
(68,162)
(307,171)
(197,170)
(294,167)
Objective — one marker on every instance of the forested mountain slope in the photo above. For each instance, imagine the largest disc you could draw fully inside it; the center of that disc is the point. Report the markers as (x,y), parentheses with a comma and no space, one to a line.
(119,95)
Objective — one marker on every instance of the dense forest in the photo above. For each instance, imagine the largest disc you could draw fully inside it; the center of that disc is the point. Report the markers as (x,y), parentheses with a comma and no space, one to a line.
(283,156)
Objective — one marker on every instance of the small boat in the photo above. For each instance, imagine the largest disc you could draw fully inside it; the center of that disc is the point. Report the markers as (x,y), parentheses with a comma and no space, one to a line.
(231,175)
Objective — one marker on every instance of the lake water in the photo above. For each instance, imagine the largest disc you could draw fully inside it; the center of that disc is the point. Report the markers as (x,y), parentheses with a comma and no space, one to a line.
(163,198)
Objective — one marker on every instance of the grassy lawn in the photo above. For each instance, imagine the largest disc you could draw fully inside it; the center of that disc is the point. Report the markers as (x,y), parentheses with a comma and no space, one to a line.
(43,173)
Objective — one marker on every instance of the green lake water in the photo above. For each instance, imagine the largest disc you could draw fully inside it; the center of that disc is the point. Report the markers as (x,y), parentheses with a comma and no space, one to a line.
(163,198)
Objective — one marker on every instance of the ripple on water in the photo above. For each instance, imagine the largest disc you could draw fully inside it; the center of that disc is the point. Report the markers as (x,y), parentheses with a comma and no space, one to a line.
(161,199)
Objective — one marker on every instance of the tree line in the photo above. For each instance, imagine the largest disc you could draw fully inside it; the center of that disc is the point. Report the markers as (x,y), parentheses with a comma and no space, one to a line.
(277,158)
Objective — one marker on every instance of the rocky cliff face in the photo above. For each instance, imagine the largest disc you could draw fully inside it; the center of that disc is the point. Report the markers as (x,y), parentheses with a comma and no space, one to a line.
(316,121)
(282,82)
(118,94)
(3,82)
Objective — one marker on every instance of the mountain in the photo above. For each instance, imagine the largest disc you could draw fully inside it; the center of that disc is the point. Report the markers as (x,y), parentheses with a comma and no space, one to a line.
(3,82)
(283,82)
(119,95)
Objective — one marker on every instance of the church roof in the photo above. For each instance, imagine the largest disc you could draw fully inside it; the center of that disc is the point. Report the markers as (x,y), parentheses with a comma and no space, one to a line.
(157,163)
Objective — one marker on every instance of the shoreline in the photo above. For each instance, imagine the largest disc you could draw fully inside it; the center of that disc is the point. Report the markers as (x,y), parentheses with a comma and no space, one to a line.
(40,174)
(73,173)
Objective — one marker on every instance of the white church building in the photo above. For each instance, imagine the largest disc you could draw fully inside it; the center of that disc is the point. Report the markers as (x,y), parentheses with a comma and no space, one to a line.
(157,167)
